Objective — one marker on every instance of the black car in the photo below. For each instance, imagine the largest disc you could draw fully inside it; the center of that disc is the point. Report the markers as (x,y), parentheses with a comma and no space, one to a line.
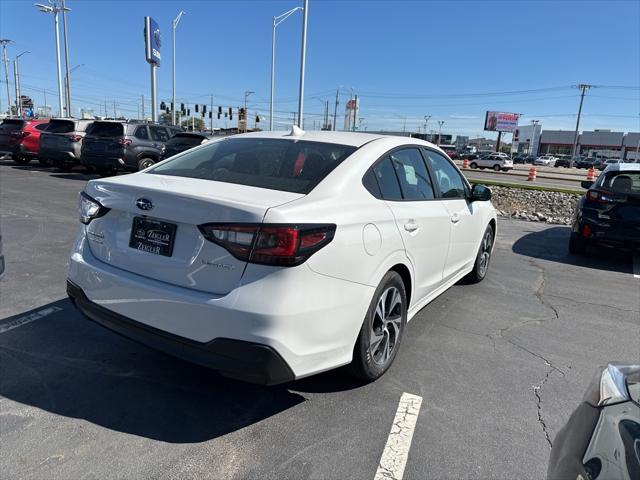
(563,161)
(110,146)
(61,143)
(601,440)
(588,163)
(183,141)
(609,213)
(523,159)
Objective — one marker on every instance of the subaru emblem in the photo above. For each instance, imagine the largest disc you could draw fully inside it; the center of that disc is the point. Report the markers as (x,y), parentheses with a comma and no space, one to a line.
(144,204)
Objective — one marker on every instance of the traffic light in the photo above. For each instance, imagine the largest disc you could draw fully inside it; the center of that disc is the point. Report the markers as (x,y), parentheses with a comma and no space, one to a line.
(230,113)
(242,115)
(172,106)
(188,112)
(257,119)
(168,111)
(204,109)
(182,109)
(163,106)
(219,112)
(196,108)
(210,115)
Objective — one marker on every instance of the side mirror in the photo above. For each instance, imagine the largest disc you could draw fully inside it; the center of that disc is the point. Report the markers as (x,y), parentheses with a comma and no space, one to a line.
(586,184)
(480,193)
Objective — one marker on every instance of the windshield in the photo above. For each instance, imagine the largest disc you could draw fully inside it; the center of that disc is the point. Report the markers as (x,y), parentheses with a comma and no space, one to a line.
(277,164)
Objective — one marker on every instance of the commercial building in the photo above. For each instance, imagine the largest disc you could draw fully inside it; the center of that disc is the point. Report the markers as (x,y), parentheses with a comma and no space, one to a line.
(596,143)
(526,140)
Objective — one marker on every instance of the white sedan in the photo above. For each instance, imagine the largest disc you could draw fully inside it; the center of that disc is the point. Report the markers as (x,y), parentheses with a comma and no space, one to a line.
(546,160)
(274,256)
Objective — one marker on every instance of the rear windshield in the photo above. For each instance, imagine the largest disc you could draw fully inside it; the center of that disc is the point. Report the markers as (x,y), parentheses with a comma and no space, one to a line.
(105,129)
(185,139)
(276,164)
(622,182)
(11,125)
(61,126)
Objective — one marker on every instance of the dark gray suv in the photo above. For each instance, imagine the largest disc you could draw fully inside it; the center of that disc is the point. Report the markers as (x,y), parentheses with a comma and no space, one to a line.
(61,143)
(110,146)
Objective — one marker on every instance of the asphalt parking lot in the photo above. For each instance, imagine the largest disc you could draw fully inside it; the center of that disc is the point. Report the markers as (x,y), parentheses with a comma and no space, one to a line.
(499,367)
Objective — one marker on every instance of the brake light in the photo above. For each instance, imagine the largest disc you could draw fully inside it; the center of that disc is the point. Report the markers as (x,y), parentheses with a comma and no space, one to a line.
(75,138)
(599,196)
(124,141)
(282,245)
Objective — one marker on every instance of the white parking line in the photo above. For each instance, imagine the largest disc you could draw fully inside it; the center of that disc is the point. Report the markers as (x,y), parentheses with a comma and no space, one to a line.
(396,451)
(32,317)
(636,267)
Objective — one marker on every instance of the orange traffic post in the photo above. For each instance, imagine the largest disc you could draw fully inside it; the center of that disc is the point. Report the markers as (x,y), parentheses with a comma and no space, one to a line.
(532,174)
(465,163)
(591,173)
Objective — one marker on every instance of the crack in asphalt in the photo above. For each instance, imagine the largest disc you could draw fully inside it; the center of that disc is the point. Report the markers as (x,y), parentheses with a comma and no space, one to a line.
(581,302)
(539,291)
(536,391)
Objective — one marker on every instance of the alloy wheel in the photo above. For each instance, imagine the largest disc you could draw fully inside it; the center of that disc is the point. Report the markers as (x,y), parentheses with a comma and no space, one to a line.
(386,326)
(485,252)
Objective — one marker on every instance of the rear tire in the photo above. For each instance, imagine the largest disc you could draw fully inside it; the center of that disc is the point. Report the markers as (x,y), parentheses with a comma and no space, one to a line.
(473,165)
(145,163)
(497,167)
(382,330)
(483,258)
(21,160)
(577,244)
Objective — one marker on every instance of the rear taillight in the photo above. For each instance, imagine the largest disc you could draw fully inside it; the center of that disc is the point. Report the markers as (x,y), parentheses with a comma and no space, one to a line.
(124,141)
(599,196)
(75,138)
(270,244)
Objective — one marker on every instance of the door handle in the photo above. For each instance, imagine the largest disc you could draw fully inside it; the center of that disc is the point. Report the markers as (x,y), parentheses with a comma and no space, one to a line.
(455,218)
(411,226)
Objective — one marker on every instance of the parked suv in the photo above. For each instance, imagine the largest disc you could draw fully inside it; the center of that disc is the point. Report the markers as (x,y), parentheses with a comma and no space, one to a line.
(110,145)
(184,141)
(498,161)
(61,144)
(21,139)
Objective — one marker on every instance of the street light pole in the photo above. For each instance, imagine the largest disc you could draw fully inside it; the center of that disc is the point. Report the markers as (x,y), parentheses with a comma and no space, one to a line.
(16,79)
(276,21)
(584,87)
(303,58)
(246,94)
(55,9)
(174,24)
(426,123)
(4,43)
(67,81)
(440,123)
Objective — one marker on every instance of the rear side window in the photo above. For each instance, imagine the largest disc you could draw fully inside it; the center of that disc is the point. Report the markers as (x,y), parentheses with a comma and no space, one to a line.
(414,179)
(105,129)
(141,133)
(11,125)
(61,126)
(276,164)
(626,183)
(159,134)
(387,180)
(43,127)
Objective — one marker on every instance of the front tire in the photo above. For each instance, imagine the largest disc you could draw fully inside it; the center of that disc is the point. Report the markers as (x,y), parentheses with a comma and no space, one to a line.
(483,258)
(473,165)
(145,163)
(382,330)
(497,167)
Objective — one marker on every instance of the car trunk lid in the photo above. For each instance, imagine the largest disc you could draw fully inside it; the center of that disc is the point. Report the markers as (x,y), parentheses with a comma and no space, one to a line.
(178,205)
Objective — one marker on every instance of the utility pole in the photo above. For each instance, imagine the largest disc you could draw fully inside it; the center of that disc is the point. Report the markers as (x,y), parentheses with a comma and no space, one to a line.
(105,108)
(211,115)
(426,123)
(66,59)
(355,112)
(303,57)
(584,87)
(4,43)
(114,110)
(246,94)
(15,83)
(174,24)
(335,110)
(534,124)
(142,109)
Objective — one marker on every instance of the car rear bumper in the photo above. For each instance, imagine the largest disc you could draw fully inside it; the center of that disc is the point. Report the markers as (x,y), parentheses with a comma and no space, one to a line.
(61,155)
(625,237)
(246,361)
(99,161)
(310,320)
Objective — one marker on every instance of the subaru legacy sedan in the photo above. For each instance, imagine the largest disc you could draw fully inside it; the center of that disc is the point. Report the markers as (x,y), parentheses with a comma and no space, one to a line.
(274,256)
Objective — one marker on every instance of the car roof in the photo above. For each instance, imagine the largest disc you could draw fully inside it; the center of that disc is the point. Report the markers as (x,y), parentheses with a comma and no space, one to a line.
(355,139)
(622,167)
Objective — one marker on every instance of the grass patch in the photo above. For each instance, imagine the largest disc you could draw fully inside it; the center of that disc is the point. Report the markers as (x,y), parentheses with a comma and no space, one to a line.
(571,191)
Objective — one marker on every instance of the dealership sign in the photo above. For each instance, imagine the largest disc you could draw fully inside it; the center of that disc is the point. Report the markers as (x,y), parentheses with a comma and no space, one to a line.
(152,41)
(501,121)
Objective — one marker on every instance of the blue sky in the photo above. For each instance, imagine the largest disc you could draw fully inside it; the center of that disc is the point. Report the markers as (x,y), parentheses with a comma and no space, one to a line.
(451,60)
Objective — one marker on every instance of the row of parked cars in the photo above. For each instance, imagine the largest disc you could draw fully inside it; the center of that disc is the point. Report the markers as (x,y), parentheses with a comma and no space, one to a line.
(566,161)
(102,146)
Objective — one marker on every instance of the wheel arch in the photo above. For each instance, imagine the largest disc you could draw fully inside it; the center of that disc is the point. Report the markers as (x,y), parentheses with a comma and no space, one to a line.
(405,274)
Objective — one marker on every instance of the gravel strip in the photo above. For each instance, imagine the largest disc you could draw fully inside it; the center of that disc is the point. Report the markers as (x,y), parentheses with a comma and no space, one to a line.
(534,205)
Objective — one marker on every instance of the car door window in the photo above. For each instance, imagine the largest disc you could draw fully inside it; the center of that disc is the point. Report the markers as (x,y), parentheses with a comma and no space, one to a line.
(42,127)
(141,133)
(159,134)
(387,180)
(412,173)
(447,177)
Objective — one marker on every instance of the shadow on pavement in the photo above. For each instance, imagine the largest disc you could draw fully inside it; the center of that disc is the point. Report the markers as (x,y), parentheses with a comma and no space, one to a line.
(69,366)
(552,244)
